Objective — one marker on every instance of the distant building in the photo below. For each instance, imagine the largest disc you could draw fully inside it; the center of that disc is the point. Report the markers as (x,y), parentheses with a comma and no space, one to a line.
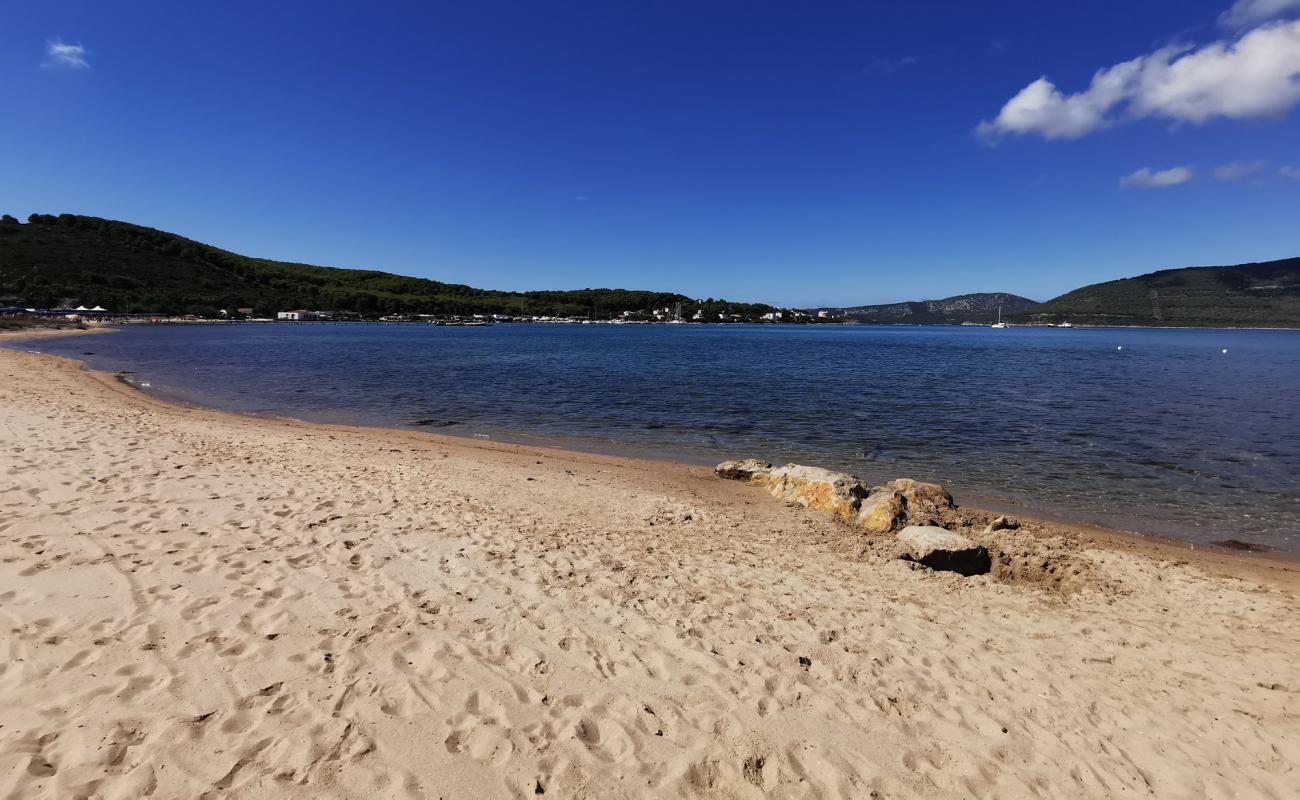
(300,315)
(823,314)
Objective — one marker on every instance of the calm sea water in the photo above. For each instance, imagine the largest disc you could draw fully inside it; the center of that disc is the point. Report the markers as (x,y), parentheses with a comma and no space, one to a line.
(1155,431)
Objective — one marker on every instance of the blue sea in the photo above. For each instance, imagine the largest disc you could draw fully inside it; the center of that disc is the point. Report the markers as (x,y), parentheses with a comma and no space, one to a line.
(1153,431)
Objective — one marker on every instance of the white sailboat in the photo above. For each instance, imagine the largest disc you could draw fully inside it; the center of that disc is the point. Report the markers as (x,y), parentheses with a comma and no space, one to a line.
(999,323)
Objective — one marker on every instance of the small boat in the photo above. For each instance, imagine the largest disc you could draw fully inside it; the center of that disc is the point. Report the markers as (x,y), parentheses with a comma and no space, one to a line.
(999,323)
(1065,325)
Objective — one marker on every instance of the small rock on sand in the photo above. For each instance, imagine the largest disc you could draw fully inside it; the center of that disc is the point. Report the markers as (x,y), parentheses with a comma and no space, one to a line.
(741,470)
(1002,524)
(941,549)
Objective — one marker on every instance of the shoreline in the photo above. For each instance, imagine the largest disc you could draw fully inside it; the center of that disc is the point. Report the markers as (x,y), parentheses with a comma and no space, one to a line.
(1026,509)
(199,603)
(1112,536)
(1073,326)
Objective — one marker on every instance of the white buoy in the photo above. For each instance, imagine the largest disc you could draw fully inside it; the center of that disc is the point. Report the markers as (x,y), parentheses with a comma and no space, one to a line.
(1121,347)
(1225,351)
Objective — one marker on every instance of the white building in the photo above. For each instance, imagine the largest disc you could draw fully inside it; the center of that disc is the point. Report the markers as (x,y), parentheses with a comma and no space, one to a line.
(298,316)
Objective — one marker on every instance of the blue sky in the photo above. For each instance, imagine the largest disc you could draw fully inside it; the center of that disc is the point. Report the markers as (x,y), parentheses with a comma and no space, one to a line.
(796,154)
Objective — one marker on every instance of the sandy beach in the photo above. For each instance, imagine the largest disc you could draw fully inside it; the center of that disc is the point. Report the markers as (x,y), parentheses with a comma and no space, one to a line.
(197,604)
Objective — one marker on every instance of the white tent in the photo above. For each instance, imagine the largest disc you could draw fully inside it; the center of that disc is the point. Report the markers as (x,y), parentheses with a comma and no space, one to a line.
(99,308)
(81,308)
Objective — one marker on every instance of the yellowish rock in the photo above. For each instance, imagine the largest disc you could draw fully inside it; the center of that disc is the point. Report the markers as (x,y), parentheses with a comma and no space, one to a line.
(921,497)
(836,493)
(881,511)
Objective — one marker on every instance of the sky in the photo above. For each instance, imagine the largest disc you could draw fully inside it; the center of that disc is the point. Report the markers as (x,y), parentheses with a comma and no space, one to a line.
(797,154)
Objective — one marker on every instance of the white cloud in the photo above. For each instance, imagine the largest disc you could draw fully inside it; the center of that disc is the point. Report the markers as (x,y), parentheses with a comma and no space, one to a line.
(1248,13)
(1041,108)
(894,66)
(1237,170)
(65,55)
(1289,172)
(1257,75)
(1146,179)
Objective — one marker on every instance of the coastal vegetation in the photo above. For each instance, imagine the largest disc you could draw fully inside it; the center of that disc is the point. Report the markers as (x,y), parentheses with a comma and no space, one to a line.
(67,260)
(1263,295)
(979,307)
(70,259)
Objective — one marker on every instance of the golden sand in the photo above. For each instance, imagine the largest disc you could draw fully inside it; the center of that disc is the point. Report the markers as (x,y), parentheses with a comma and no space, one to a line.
(196,604)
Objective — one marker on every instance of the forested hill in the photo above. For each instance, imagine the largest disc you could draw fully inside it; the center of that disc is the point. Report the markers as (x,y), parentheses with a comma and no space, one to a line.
(981,307)
(125,267)
(1265,295)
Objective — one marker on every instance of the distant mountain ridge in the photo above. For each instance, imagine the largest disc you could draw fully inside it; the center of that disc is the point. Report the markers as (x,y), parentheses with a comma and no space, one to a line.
(126,267)
(1264,294)
(979,307)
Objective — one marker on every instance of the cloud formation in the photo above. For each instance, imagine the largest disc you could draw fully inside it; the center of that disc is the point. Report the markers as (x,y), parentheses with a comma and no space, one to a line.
(1146,179)
(1237,170)
(1257,75)
(59,54)
(894,66)
(1289,171)
(1249,13)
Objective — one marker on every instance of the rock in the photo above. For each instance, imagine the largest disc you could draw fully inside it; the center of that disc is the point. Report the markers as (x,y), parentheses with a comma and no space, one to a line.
(1002,524)
(875,510)
(742,470)
(941,549)
(881,511)
(921,497)
(820,489)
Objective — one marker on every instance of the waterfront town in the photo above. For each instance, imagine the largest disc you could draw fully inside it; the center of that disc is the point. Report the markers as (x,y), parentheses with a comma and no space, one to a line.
(80,313)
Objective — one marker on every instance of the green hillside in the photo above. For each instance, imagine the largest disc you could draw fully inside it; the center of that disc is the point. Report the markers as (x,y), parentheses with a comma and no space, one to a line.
(125,267)
(1265,295)
(981,307)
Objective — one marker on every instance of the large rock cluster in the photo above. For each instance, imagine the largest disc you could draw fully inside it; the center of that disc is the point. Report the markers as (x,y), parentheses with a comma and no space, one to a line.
(905,507)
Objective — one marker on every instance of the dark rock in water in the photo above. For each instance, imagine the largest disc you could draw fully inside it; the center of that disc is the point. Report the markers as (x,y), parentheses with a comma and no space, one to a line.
(941,549)
(1246,547)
